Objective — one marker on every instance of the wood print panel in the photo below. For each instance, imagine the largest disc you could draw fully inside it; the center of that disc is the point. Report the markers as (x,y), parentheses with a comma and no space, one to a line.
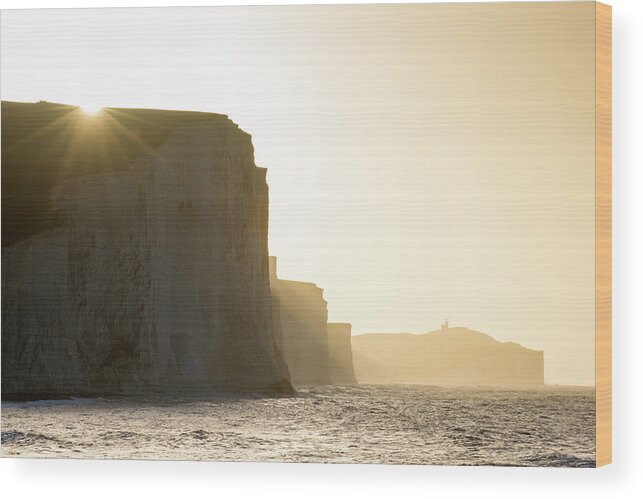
(603,234)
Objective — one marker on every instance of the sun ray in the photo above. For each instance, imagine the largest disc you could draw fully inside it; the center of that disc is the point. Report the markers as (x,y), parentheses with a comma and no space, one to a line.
(56,126)
(129,134)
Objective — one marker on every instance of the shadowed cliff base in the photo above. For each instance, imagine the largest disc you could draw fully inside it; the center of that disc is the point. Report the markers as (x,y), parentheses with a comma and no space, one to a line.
(456,355)
(134,255)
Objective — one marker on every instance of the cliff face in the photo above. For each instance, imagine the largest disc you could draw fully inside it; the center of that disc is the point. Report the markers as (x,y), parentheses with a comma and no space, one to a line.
(301,314)
(340,354)
(134,254)
(452,356)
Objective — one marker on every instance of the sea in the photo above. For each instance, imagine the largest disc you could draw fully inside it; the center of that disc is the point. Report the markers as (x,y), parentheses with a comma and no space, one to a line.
(391,424)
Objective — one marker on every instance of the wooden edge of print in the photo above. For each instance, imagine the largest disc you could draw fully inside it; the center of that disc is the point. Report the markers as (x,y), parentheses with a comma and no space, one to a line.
(603,290)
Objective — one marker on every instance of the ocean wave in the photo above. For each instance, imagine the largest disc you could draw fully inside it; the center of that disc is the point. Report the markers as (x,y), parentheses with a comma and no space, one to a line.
(363,424)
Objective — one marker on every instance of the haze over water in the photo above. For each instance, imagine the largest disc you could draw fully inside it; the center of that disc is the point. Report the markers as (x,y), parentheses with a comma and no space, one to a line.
(425,162)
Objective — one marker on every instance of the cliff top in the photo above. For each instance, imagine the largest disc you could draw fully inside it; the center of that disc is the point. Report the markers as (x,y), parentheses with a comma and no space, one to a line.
(43,143)
(290,284)
(54,108)
(453,335)
(26,123)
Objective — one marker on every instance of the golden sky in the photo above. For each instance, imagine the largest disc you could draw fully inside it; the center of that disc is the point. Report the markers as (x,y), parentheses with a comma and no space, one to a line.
(425,161)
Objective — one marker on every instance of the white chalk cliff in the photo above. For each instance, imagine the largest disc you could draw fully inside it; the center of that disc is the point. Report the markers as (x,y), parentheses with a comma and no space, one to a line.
(134,254)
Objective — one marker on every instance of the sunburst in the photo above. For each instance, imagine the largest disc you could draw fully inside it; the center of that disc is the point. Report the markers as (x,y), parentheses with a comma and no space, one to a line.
(91,108)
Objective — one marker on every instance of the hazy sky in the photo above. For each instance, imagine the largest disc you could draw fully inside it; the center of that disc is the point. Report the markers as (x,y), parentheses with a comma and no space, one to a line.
(424,161)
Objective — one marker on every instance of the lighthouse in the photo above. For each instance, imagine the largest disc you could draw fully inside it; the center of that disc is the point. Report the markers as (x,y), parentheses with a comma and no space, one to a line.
(445,325)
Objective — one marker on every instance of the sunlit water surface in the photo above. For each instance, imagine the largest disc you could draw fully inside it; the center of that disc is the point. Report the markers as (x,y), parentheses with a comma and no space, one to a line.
(550,426)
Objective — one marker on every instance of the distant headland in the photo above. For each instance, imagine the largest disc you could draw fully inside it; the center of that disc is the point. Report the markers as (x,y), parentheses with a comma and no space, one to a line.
(450,355)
